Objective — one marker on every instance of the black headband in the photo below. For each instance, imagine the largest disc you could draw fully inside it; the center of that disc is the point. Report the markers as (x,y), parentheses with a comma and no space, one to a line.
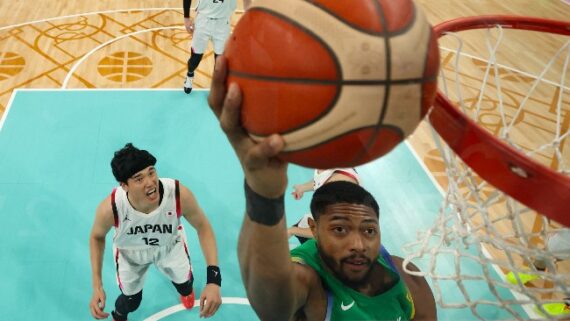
(125,165)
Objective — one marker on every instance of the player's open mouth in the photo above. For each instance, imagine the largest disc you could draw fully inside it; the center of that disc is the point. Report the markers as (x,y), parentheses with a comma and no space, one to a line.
(151,192)
(356,263)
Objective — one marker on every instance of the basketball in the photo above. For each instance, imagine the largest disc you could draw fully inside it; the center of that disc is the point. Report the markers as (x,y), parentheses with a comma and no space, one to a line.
(343,82)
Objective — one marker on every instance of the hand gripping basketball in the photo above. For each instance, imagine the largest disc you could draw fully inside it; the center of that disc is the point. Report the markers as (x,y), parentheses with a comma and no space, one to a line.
(343,82)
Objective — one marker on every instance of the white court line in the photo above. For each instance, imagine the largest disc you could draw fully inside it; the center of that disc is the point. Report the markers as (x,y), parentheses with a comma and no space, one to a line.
(15,91)
(84,14)
(80,61)
(177,308)
(424,167)
(5,114)
(530,312)
(8,107)
(93,13)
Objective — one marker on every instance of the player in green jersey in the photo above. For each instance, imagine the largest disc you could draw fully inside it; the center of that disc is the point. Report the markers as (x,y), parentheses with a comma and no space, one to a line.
(342,275)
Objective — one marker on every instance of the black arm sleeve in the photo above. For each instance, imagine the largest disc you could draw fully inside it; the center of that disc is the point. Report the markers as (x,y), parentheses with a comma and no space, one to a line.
(186,5)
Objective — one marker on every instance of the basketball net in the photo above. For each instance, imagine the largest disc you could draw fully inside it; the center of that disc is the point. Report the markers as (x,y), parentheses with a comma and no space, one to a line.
(482,232)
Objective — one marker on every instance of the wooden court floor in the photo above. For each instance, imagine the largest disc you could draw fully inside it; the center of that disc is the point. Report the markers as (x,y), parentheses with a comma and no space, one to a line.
(142,44)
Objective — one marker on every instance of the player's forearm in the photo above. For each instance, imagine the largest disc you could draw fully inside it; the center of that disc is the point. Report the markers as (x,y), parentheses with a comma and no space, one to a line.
(265,263)
(302,232)
(96,249)
(266,269)
(186,6)
(208,244)
(305,187)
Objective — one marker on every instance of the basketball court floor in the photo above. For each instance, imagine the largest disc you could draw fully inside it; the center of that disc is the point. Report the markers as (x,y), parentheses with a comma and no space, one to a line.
(57,145)
(79,82)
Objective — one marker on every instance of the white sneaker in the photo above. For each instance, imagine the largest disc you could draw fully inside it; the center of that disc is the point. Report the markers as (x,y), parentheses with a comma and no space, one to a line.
(188,83)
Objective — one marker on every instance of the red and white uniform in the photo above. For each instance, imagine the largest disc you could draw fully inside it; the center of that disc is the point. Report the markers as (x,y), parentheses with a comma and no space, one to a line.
(319,179)
(321,176)
(143,239)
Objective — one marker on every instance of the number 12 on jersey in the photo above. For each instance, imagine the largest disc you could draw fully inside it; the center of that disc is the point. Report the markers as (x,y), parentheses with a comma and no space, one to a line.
(150,241)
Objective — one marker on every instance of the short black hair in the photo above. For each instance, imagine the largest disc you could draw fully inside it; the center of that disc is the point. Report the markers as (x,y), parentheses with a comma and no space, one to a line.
(129,160)
(341,192)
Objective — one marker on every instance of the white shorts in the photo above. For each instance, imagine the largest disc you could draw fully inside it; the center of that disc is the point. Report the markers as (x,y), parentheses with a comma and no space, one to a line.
(205,29)
(172,260)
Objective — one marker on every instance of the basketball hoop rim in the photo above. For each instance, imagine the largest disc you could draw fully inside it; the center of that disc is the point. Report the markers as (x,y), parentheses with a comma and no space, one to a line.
(525,180)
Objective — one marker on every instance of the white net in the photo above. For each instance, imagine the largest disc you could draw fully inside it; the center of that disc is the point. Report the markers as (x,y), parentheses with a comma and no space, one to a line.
(487,252)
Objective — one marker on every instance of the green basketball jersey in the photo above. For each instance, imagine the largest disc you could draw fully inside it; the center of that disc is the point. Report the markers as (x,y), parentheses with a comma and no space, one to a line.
(344,303)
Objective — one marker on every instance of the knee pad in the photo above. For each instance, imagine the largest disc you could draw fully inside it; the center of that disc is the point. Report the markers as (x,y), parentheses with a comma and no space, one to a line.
(128,303)
(185,288)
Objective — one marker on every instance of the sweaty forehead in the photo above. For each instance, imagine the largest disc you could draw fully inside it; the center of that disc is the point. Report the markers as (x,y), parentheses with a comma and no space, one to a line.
(348,210)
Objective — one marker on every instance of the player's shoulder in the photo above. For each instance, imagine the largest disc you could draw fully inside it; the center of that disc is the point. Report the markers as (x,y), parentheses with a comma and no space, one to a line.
(398,264)
(105,206)
(304,270)
(397,260)
(311,291)
(173,185)
(412,281)
(183,189)
(188,200)
(168,181)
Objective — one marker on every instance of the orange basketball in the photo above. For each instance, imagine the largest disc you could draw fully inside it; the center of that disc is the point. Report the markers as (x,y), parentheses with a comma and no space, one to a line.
(342,81)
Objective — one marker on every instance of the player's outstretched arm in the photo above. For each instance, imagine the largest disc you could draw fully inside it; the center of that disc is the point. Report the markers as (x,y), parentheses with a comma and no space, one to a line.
(300,231)
(103,223)
(272,285)
(194,214)
(210,298)
(300,189)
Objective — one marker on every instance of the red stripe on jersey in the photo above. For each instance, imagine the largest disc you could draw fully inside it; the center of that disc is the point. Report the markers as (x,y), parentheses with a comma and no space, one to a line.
(114,206)
(345,173)
(190,277)
(117,266)
(186,250)
(177,193)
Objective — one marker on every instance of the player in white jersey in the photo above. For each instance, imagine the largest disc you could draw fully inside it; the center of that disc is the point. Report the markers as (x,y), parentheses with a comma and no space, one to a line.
(145,212)
(302,229)
(322,176)
(212,22)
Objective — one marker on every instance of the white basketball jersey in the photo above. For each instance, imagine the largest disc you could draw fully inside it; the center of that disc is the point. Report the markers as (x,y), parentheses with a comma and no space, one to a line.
(216,9)
(320,178)
(137,230)
(304,221)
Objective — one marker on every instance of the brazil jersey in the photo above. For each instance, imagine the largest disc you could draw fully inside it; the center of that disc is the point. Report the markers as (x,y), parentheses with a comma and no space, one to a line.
(344,303)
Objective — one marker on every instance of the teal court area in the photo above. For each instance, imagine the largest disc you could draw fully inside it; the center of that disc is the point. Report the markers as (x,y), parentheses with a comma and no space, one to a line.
(55,149)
